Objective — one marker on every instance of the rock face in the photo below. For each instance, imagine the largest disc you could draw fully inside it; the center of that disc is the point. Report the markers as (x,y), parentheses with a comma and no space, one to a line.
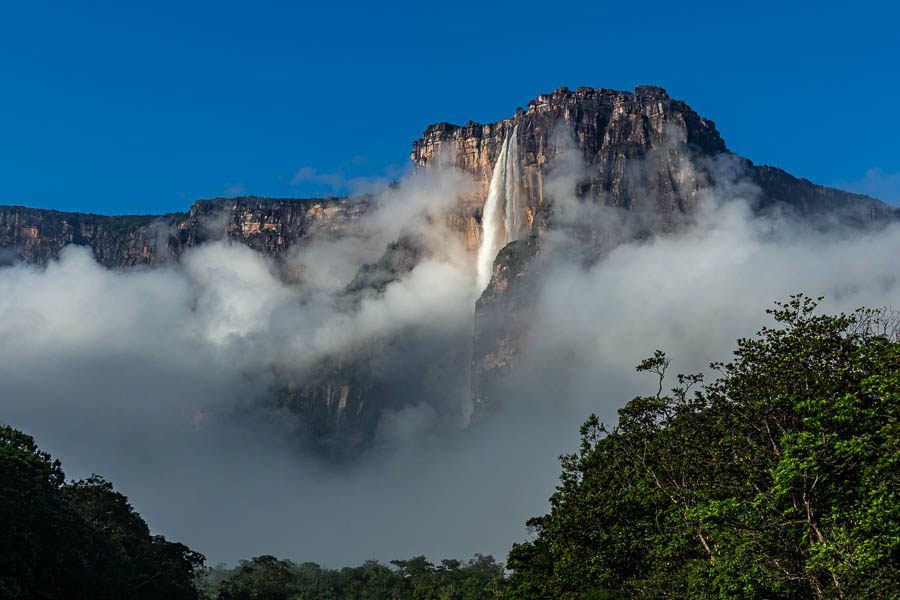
(643,154)
(269,225)
(822,206)
(635,148)
(631,146)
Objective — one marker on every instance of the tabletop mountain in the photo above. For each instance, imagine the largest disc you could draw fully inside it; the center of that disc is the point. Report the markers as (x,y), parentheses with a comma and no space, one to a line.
(641,154)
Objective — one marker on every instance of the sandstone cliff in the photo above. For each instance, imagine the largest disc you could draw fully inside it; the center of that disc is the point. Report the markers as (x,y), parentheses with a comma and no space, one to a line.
(642,147)
(609,130)
(270,225)
(643,152)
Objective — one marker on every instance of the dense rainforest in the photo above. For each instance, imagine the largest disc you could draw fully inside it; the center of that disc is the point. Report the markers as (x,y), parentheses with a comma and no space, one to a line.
(779,479)
(80,539)
(417,578)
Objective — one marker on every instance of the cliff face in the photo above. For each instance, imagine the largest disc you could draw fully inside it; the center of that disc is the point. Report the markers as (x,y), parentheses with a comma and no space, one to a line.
(342,403)
(634,148)
(820,205)
(643,152)
(37,236)
(269,225)
(608,131)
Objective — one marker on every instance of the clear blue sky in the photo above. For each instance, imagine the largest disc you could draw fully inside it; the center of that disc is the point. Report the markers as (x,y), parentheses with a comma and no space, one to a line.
(116,107)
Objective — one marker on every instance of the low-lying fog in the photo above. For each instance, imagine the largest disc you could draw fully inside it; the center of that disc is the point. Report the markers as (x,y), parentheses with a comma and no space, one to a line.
(157,379)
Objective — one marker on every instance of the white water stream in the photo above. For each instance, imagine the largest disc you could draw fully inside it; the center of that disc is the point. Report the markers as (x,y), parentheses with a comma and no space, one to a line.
(503,195)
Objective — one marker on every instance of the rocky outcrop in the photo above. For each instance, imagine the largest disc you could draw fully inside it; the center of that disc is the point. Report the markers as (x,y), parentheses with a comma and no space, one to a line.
(628,147)
(503,317)
(345,405)
(821,206)
(399,258)
(36,236)
(643,152)
(270,225)
(632,149)
(336,408)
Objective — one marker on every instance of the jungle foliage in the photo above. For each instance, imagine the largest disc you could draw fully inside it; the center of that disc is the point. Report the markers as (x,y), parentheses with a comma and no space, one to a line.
(265,577)
(81,539)
(778,480)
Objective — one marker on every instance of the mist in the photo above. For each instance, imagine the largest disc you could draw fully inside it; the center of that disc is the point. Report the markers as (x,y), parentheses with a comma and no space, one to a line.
(161,379)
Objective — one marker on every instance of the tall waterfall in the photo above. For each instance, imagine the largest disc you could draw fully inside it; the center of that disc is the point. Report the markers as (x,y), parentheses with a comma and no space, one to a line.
(503,194)
(490,223)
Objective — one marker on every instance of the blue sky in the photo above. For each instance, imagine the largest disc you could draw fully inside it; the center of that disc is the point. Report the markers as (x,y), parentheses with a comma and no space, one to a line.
(125,108)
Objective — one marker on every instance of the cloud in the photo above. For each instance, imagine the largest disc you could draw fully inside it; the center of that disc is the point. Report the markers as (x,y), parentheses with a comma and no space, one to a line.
(338,182)
(876,183)
(233,189)
(312,175)
(163,379)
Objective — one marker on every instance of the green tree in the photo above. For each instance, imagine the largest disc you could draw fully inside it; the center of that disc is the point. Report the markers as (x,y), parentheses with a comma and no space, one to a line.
(151,566)
(480,578)
(43,549)
(261,578)
(81,540)
(777,480)
(812,408)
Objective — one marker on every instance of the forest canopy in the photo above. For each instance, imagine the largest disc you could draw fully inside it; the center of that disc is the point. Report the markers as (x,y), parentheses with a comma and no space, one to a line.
(779,479)
(80,539)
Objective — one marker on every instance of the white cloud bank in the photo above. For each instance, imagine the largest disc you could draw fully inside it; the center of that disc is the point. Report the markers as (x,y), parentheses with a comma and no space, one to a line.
(157,379)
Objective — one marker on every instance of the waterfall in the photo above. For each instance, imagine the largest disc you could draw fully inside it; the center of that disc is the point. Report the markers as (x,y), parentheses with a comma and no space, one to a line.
(490,223)
(503,194)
